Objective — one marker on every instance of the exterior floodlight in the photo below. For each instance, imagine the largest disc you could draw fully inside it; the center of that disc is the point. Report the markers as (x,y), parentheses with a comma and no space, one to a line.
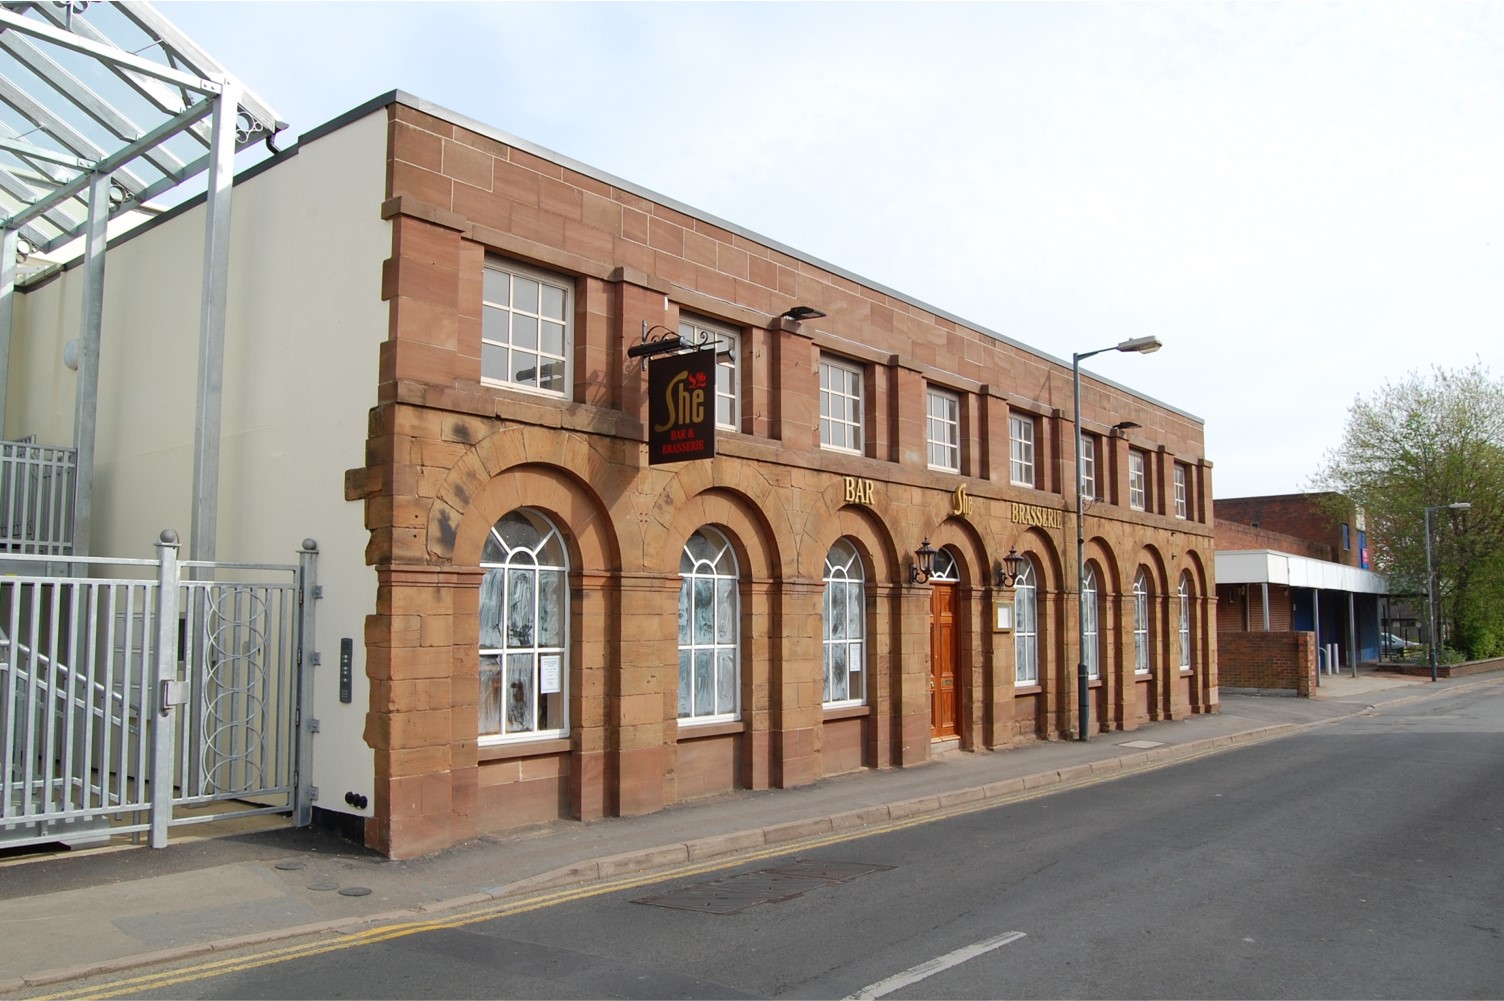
(801,313)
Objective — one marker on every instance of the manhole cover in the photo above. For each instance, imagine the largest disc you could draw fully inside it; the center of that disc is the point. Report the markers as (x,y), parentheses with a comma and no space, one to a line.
(1142,745)
(354,891)
(835,872)
(765,886)
(290,866)
(323,886)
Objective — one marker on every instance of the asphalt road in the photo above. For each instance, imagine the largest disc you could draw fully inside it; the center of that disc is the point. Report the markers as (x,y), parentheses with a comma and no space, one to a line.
(1363,858)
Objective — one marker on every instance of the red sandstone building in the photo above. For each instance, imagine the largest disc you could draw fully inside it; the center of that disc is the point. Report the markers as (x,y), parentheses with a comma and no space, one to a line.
(431,371)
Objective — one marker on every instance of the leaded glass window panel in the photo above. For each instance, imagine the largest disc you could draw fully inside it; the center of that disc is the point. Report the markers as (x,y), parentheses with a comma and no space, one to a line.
(523,610)
(1090,650)
(1026,625)
(1141,622)
(709,629)
(1185,622)
(845,625)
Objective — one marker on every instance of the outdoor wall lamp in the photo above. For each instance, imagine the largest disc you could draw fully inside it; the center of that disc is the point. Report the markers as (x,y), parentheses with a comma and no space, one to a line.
(1009,569)
(924,563)
(801,313)
(1122,426)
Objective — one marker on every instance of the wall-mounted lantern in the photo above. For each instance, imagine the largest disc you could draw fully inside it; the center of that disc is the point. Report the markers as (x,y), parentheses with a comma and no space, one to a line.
(1008,571)
(924,563)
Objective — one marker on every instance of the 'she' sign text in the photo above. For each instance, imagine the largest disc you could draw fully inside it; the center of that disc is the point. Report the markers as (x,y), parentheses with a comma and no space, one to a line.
(681,407)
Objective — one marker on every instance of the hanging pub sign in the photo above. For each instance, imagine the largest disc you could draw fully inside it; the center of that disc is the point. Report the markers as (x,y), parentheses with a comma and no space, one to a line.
(681,407)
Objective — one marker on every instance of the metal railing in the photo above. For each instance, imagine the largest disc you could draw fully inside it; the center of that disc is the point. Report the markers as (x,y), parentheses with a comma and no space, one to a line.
(142,694)
(36,498)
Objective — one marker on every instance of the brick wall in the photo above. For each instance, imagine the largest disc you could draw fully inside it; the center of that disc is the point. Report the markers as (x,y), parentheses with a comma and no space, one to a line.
(1233,536)
(1268,661)
(1301,516)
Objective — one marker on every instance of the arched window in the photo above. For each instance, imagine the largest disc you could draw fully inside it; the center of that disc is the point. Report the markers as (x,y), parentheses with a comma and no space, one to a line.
(523,615)
(845,625)
(1090,653)
(1141,622)
(1026,625)
(709,617)
(946,569)
(1185,622)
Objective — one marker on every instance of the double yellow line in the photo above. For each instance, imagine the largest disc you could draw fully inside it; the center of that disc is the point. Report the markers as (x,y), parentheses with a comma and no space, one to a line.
(551,898)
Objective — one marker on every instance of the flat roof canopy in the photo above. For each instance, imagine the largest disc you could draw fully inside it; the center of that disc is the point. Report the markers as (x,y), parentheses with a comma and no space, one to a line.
(1268,566)
(114,88)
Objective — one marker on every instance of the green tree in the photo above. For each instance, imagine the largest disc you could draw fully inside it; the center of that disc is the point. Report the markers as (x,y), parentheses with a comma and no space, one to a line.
(1425,441)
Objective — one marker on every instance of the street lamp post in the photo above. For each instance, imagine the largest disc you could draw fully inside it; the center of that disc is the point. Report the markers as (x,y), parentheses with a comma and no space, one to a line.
(1137,345)
(1431,624)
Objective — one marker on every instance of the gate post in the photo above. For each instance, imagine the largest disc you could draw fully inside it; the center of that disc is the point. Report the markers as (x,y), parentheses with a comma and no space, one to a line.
(165,690)
(309,592)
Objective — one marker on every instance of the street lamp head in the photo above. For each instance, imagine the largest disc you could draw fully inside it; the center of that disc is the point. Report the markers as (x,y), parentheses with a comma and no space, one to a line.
(1141,345)
(1460,506)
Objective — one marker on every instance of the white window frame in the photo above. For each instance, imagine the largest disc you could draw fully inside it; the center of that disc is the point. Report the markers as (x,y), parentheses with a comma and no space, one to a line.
(1180,497)
(845,627)
(1088,467)
(1021,449)
(709,558)
(1091,653)
(1138,480)
(1141,622)
(1026,625)
(1186,660)
(842,406)
(508,318)
(512,578)
(943,429)
(728,368)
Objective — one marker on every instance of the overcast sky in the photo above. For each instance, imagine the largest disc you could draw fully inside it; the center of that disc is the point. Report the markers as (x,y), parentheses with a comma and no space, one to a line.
(1301,201)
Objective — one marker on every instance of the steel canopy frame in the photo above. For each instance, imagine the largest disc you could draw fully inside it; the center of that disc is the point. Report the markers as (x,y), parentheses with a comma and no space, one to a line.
(104,106)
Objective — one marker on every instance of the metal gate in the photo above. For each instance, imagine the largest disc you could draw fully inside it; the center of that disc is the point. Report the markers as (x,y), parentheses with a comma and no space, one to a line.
(136,695)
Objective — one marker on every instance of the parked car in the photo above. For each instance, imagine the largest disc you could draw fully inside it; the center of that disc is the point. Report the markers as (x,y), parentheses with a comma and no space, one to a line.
(1389,641)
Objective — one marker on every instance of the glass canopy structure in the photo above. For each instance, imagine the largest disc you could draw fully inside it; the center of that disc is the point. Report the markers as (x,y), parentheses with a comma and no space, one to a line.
(104,106)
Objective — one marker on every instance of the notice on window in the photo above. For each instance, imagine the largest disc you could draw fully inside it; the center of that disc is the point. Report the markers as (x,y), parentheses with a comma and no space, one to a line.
(549,674)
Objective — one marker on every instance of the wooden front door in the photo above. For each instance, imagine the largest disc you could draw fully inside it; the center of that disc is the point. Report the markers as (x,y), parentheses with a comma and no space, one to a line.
(944,698)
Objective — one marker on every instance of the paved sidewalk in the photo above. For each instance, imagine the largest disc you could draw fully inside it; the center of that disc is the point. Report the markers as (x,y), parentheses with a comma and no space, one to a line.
(103,910)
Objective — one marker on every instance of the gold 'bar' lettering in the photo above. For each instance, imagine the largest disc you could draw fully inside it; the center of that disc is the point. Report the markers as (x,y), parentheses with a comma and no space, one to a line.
(859,491)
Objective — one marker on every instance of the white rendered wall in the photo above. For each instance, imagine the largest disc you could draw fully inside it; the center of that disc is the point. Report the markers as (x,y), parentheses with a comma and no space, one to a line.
(305,320)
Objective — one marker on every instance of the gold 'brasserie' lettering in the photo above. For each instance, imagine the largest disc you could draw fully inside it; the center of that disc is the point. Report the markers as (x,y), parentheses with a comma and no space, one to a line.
(1042,517)
(859,491)
(685,406)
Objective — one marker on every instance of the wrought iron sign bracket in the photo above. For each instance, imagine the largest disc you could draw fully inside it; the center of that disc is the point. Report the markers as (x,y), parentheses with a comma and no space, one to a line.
(662,344)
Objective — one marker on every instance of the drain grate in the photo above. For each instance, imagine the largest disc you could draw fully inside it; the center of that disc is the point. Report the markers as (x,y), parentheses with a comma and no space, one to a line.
(765,886)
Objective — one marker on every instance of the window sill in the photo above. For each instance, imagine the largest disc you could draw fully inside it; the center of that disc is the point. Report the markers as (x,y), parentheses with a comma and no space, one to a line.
(847,712)
(522,749)
(696,731)
(1030,689)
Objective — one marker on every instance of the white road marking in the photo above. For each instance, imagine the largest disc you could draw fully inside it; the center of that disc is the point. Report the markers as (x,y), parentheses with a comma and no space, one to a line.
(929,968)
